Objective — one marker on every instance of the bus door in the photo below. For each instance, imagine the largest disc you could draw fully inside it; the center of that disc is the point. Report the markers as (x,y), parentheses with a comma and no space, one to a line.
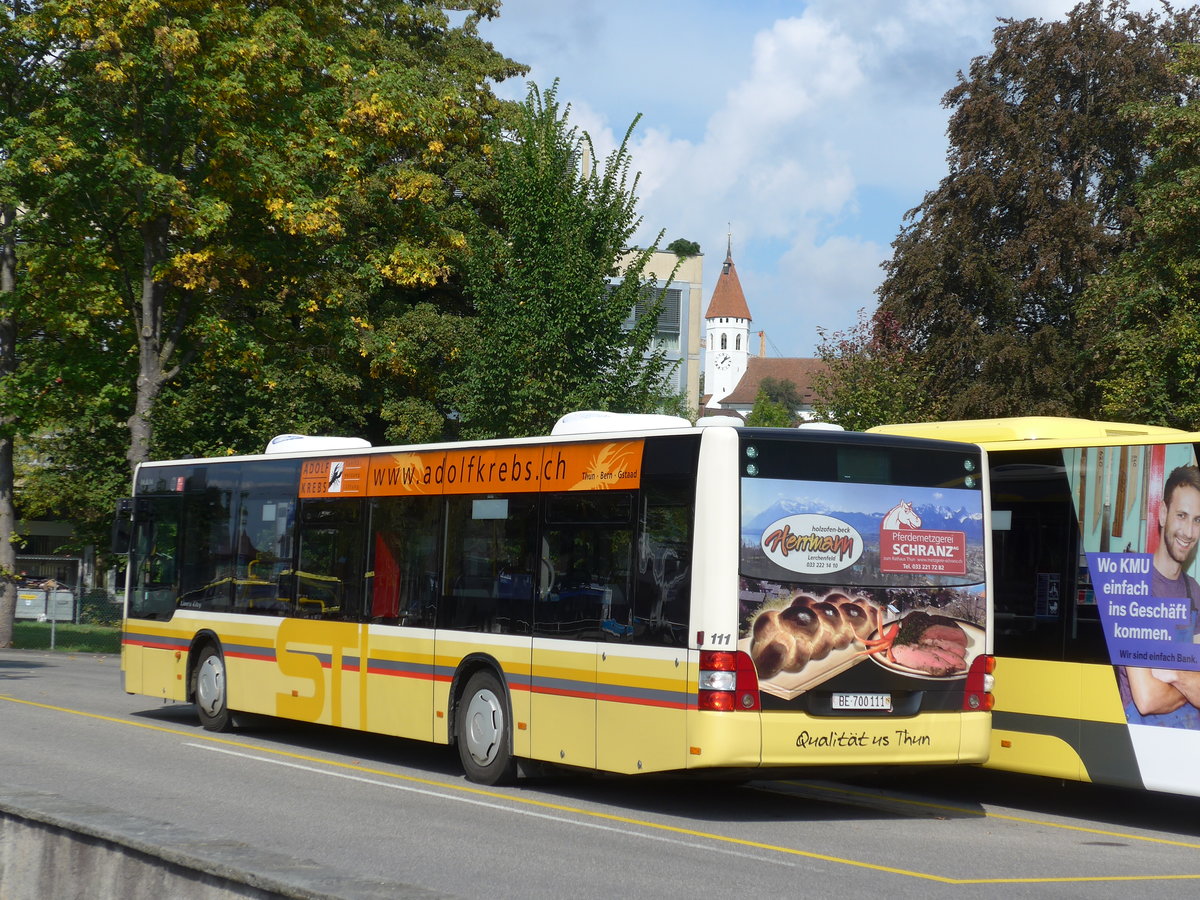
(584,535)
(153,581)
(402,594)
(486,603)
(1034,592)
(1049,505)
(642,691)
(609,680)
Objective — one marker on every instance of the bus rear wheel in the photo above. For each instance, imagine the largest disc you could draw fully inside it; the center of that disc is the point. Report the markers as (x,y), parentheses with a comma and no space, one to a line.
(484,732)
(210,690)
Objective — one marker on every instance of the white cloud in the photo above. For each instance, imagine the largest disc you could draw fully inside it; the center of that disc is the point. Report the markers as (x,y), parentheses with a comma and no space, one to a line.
(808,136)
(799,65)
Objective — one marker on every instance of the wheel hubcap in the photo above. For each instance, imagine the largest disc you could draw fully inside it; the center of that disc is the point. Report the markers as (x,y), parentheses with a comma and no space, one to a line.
(485,725)
(210,686)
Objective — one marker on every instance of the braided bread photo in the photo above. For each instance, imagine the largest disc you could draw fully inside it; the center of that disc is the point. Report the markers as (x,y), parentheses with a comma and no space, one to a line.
(808,629)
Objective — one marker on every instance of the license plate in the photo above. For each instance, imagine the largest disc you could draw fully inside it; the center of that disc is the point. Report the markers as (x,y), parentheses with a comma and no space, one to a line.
(878,702)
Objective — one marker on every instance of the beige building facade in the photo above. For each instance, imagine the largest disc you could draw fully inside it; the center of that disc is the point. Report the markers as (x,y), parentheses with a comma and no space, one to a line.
(679,320)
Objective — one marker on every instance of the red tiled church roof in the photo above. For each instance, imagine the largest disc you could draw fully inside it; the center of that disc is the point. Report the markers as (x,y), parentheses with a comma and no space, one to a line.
(798,370)
(728,301)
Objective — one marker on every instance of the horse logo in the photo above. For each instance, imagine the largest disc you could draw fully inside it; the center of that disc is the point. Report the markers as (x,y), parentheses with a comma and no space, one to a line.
(901,516)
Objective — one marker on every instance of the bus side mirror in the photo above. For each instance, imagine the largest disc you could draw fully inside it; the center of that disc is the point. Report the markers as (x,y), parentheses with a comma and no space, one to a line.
(122,531)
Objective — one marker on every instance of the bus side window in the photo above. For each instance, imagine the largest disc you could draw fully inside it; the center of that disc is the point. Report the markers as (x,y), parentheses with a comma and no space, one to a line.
(1044,606)
(585,589)
(489,564)
(264,551)
(1030,495)
(664,566)
(265,540)
(403,570)
(207,559)
(330,566)
(1040,613)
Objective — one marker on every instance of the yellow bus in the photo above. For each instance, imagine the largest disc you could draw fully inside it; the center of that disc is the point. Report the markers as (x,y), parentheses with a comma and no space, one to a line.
(628,594)
(1095,531)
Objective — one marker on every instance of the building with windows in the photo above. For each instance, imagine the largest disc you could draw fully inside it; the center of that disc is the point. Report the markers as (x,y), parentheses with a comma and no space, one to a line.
(678,332)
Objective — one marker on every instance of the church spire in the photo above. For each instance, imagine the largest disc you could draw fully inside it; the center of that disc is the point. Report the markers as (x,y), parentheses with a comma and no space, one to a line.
(728,301)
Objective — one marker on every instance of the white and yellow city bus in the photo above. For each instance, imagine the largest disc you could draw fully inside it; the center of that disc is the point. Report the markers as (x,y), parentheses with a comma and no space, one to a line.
(628,595)
(1095,651)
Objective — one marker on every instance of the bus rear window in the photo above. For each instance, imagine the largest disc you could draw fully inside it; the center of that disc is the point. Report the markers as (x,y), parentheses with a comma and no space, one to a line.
(836,459)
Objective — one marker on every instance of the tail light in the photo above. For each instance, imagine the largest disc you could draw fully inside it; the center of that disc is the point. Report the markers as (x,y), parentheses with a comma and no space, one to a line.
(728,681)
(977,695)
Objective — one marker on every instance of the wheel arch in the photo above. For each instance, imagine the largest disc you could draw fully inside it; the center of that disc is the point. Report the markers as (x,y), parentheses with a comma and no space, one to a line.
(205,637)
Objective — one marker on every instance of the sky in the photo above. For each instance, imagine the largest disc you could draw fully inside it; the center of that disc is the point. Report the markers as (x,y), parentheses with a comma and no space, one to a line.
(798,133)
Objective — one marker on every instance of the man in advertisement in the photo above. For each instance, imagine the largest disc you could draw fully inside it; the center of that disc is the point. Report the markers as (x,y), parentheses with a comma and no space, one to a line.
(1170,697)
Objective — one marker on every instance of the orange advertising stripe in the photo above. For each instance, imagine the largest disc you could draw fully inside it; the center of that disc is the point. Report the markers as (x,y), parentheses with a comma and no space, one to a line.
(487,470)
(477,471)
(591,467)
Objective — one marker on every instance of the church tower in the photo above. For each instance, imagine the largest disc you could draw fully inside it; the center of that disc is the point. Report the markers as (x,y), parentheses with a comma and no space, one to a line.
(727,338)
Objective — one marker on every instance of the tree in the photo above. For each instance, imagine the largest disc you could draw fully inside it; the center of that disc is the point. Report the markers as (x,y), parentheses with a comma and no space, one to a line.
(223,205)
(254,174)
(872,376)
(775,404)
(985,279)
(23,90)
(683,247)
(782,391)
(769,413)
(1143,316)
(553,285)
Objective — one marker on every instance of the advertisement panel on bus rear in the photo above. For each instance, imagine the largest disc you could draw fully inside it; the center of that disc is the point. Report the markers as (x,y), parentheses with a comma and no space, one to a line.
(837,574)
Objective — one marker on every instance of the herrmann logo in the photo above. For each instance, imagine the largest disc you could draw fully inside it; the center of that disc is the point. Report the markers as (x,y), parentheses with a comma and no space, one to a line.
(812,543)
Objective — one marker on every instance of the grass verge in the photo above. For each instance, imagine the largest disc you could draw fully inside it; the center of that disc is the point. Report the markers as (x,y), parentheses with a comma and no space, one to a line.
(68,638)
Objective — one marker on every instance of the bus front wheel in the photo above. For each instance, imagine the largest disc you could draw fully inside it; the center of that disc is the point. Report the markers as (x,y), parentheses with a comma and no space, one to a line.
(210,690)
(484,732)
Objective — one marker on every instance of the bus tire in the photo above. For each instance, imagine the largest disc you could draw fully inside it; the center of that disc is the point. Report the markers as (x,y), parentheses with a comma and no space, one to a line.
(484,731)
(210,690)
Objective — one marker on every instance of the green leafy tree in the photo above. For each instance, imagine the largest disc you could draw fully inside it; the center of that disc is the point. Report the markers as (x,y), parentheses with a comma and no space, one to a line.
(871,377)
(769,413)
(776,403)
(554,284)
(256,174)
(1143,316)
(985,279)
(782,391)
(683,247)
(26,82)
(226,206)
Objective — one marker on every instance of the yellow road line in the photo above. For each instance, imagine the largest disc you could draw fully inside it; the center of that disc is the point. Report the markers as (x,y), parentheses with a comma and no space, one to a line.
(626,820)
(897,800)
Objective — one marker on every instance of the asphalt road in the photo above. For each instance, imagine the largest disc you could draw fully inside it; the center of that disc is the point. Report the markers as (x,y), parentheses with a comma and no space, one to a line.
(397,811)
